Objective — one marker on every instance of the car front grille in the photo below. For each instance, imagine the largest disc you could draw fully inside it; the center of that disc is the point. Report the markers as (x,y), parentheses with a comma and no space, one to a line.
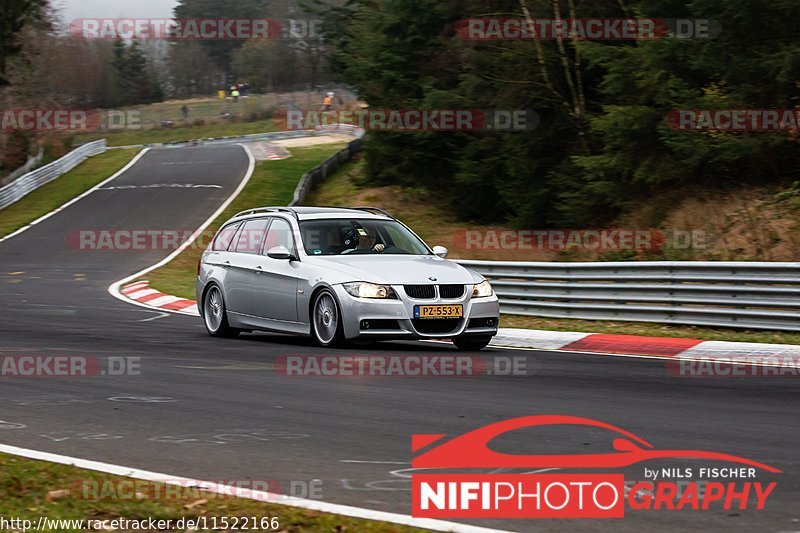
(421,292)
(436,327)
(451,292)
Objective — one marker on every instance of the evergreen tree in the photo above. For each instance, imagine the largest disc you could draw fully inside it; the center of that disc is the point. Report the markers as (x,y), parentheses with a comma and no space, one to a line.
(603,141)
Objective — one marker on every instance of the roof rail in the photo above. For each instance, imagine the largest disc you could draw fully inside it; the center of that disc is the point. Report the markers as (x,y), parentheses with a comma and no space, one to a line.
(268,210)
(378,209)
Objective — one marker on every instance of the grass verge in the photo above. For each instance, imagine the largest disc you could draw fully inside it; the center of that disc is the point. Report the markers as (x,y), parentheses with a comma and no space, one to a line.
(32,489)
(272,183)
(75,182)
(180,133)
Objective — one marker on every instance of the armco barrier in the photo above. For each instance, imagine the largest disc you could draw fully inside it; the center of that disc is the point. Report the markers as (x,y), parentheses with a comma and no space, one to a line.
(739,295)
(31,181)
(321,172)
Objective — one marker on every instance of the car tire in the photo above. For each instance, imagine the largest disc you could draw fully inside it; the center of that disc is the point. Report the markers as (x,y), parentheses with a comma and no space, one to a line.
(471,344)
(215,316)
(326,320)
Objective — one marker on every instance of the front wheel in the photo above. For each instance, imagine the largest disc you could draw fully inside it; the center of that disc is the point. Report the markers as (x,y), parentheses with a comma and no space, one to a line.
(215,315)
(471,344)
(326,321)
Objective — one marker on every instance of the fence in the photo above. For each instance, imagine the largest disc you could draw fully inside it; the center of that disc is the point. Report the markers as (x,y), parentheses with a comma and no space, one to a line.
(321,172)
(740,295)
(31,181)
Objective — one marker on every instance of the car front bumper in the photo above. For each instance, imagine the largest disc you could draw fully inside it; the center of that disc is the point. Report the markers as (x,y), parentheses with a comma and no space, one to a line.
(394,319)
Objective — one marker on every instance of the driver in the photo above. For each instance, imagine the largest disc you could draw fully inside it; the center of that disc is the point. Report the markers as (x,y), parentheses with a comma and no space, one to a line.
(367,239)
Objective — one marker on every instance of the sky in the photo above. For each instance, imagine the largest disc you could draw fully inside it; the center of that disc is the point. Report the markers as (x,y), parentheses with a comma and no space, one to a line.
(75,9)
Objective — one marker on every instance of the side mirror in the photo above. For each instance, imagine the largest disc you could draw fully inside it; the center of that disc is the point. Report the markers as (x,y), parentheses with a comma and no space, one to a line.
(280,252)
(441,251)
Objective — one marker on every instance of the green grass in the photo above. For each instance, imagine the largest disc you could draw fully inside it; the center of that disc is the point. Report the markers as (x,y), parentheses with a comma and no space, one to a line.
(25,484)
(272,183)
(48,197)
(337,189)
(649,330)
(181,133)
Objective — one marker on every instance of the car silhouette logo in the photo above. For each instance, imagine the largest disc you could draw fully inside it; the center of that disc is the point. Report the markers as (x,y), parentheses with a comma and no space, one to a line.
(471,450)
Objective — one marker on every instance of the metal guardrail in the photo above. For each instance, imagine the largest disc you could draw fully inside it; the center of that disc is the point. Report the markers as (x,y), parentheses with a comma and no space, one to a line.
(727,294)
(321,172)
(31,181)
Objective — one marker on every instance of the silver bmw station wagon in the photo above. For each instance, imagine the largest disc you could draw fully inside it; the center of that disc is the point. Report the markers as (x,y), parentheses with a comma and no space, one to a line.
(339,275)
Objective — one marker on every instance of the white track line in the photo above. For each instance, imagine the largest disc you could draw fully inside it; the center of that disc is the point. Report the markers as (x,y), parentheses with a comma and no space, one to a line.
(277,499)
(79,197)
(114,289)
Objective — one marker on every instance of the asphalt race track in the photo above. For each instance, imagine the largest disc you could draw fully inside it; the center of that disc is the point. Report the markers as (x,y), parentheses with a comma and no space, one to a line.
(218,410)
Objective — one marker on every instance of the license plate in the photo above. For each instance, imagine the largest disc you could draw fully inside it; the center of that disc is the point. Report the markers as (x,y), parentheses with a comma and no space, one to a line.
(438,311)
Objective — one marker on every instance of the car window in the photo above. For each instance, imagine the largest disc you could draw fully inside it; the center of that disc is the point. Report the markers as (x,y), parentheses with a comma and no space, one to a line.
(250,237)
(400,239)
(359,237)
(279,234)
(225,237)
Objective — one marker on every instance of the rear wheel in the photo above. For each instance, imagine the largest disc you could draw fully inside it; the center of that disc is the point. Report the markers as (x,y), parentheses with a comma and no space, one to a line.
(215,316)
(326,320)
(471,344)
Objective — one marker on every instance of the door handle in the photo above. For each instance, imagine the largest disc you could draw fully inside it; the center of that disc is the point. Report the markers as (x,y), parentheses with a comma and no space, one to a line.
(226,264)
(258,270)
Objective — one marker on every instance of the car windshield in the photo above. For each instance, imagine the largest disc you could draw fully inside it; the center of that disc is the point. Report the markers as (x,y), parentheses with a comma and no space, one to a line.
(360,237)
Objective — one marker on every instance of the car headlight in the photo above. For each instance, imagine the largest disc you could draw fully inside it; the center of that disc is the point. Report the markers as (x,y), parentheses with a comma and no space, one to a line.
(370,290)
(482,290)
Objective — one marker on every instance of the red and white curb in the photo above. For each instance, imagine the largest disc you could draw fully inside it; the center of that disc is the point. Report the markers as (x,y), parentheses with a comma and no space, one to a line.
(141,293)
(269,152)
(650,347)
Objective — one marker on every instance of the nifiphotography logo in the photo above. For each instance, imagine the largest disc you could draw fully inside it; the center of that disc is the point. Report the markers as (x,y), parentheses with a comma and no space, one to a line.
(598,494)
